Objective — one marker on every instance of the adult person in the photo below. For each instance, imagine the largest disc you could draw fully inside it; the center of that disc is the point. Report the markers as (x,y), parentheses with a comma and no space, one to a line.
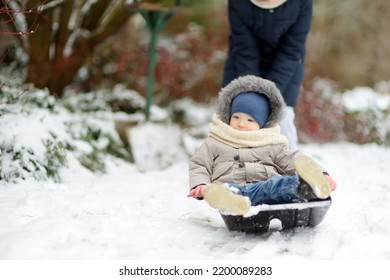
(268,39)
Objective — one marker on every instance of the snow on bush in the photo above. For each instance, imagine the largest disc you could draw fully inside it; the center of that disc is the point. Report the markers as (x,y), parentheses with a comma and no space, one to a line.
(40,134)
(367,116)
(361,115)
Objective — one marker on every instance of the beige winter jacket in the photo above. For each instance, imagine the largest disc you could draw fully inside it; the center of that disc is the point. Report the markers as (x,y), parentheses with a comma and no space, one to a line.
(234,156)
(230,155)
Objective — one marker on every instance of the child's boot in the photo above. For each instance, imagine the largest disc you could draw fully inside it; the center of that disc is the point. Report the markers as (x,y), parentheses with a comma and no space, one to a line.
(220,197)
(312,183)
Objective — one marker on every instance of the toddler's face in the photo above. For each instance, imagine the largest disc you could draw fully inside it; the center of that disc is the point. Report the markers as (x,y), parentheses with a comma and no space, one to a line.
(243,122)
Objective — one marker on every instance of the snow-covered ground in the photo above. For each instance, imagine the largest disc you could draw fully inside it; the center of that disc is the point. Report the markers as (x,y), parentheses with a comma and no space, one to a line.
(146,219)
(126,214)
(132,213)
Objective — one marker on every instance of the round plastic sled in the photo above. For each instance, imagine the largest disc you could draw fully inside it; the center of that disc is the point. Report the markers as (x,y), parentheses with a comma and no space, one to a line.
(291,215)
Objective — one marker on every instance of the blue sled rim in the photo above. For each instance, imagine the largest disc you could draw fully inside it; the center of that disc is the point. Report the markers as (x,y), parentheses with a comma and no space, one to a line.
(291,215)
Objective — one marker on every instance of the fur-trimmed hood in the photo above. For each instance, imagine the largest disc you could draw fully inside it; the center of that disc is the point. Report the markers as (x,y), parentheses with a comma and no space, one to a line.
(246,84)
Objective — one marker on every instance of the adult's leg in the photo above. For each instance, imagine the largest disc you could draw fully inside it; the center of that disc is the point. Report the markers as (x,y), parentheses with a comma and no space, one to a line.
(288,128)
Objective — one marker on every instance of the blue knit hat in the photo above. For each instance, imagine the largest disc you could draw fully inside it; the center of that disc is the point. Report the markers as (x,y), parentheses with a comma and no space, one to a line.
(253,104)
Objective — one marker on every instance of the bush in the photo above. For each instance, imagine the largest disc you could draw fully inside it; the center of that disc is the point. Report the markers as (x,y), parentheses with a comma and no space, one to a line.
(40,134)
(189,61)
(367,119)
(360,116)
(319,114)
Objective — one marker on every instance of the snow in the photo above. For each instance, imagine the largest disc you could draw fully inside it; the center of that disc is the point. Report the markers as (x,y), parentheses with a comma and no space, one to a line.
(364,98)
(138,213)
(126,214)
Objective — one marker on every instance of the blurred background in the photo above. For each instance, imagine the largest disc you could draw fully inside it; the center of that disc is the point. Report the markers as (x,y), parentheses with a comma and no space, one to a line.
(86,45)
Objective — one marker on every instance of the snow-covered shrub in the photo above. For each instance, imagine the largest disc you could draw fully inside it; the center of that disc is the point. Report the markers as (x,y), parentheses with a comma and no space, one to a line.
(39,133)
(23,163)
(92,140)
(361,115)
(29,147)
(367,116)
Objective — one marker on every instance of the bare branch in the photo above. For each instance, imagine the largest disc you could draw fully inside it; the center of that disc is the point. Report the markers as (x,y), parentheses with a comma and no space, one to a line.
(13,100)
(11,14)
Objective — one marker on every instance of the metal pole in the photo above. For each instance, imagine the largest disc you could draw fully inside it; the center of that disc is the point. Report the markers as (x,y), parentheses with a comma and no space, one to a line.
(155,20)
(151,70)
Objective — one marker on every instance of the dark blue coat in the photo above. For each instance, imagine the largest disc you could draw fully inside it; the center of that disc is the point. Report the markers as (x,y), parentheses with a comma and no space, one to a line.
(269,44)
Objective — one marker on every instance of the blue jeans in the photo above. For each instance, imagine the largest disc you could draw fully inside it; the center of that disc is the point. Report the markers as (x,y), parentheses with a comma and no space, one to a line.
(276,190)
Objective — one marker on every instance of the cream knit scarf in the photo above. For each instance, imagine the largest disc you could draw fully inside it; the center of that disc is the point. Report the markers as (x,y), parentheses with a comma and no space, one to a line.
(245,139)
